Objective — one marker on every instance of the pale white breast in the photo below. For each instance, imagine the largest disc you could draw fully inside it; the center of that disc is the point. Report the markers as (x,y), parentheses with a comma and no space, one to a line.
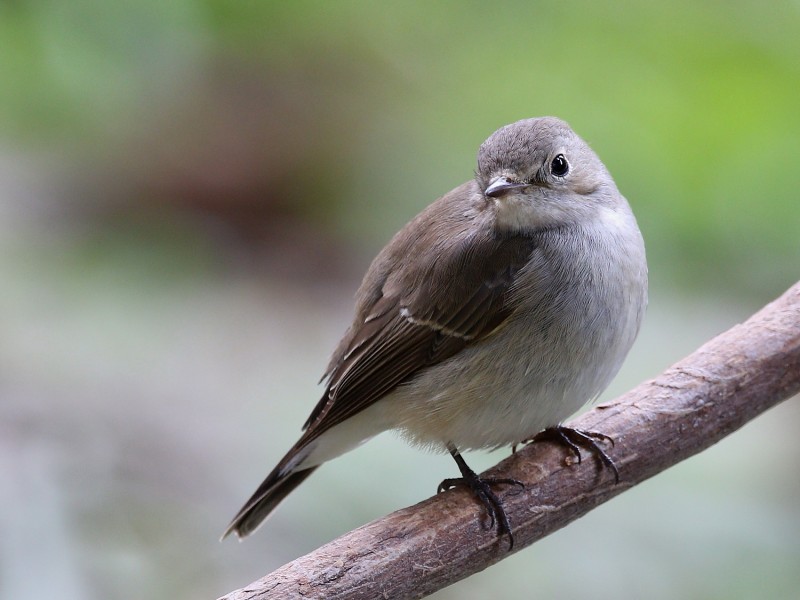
(561,349)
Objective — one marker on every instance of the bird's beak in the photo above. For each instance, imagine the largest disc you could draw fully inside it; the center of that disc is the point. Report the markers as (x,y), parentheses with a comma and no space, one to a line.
(500,186)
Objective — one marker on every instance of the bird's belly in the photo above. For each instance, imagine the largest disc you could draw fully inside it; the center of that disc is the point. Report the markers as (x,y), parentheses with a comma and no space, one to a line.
(513,384)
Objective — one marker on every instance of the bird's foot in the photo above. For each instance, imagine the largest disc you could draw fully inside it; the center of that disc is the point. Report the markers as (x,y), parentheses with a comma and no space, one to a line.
(574,439)
(482,489)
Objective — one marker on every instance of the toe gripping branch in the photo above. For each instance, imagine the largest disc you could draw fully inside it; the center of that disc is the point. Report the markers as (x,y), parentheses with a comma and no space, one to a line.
(482,490)
(574,439)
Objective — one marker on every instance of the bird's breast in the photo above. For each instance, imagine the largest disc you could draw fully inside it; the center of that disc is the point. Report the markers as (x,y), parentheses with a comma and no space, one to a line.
(578,304)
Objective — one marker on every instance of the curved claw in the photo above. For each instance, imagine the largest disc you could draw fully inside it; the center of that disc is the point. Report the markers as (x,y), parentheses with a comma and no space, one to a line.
(574,438)
(448,484)
(482,490)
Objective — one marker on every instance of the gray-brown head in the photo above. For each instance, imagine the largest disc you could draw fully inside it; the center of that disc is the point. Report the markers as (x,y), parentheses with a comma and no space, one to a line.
(540,173)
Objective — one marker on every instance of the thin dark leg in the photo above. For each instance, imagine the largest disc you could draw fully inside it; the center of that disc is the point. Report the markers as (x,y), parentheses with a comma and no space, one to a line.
(483,492)
(573,439)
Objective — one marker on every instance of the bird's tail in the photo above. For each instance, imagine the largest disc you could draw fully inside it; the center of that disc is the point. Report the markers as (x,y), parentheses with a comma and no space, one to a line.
(266,498)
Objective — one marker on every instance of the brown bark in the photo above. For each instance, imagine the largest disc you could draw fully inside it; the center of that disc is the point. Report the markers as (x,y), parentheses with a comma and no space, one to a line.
(690,406)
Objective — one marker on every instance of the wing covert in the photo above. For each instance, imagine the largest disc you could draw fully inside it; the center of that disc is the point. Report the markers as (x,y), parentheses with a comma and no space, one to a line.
(455,298)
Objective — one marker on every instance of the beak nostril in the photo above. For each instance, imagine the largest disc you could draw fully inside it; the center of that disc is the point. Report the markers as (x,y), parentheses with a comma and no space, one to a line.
(500,186)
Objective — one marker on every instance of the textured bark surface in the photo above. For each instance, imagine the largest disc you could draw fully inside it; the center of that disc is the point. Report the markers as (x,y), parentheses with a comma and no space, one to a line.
(689,407)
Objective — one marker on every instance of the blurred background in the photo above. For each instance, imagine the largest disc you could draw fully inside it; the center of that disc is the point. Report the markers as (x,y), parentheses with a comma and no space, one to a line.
(191,190)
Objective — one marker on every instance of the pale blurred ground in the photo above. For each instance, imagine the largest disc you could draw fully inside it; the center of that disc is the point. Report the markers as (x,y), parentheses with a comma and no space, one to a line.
(190,192)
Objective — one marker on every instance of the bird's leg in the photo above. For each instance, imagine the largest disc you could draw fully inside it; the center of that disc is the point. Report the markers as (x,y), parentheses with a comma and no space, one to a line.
(573,439)
(483,491)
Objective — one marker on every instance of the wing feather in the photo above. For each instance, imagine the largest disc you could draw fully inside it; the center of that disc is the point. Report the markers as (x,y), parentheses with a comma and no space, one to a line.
(446,305)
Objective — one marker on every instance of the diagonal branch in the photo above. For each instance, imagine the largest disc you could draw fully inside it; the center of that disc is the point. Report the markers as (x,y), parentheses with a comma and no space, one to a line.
(689,407)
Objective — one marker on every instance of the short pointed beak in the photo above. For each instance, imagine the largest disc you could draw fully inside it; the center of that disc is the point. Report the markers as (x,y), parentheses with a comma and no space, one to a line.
(500,186)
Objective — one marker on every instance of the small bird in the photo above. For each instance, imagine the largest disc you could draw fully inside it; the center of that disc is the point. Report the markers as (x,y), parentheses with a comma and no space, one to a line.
(491,317)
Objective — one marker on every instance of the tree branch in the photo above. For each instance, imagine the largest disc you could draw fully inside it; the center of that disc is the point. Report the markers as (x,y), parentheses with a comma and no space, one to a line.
(692,405)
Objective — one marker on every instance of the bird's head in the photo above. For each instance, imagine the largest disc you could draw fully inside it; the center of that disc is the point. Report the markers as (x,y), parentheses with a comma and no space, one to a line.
(538,173)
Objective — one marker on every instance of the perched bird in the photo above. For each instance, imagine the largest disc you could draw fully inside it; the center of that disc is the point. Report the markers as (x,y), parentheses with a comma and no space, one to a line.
(495,314)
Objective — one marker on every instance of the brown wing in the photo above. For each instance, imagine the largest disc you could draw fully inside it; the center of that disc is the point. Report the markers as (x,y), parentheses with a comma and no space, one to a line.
(454,297)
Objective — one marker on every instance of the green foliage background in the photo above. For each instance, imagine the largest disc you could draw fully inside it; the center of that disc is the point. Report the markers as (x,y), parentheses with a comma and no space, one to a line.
(190,189)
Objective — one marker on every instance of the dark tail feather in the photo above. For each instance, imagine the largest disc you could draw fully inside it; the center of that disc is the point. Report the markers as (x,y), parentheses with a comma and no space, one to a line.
(266,498)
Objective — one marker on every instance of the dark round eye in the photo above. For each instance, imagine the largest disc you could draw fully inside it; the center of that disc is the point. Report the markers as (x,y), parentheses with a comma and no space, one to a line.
(559,167)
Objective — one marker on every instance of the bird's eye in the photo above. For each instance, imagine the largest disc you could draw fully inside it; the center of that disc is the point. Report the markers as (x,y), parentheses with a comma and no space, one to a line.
(559,167)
